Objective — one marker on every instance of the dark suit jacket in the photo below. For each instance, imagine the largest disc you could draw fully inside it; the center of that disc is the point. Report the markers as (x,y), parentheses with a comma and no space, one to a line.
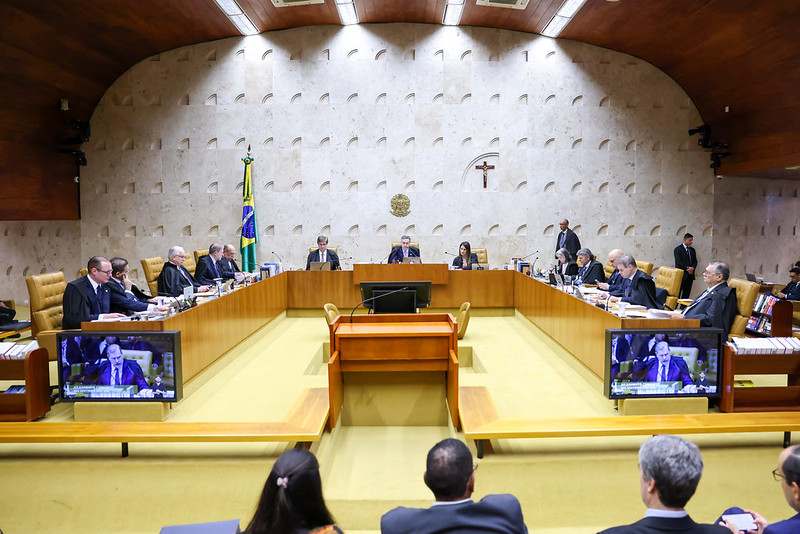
(789,526)
(396,255)
(80,305)
(682,260)
(228,268)
(792,291)
(171,282)
(642,291)
(571,243)
(331,257)
(658,525)
(676,370)
(458,262)
(716,309)
(493,513)
(615,283)
(122,301)
(569,269)
(131,374)
(592,272)
(207,270)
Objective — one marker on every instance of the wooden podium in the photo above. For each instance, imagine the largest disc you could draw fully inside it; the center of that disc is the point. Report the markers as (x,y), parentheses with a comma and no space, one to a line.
(393,343)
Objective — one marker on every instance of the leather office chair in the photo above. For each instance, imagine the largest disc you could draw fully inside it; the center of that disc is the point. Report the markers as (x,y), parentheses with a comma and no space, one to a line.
(198,253)
(746,293)
(190,265)
(152,267)
(46,294)
(331,312)
(335,249)
(83,271)
(462,318)
(646,266)
(483,256)
(397,244)
(608,269)
(669,279)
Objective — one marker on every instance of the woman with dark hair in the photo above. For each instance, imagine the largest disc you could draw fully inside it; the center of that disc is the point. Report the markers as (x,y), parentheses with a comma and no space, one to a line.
(566,265)
(292,502)
(465,257)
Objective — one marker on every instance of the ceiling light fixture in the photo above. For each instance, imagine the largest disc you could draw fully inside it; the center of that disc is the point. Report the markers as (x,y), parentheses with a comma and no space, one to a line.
(452,12)
(347,12)
(237,17)
(562,17)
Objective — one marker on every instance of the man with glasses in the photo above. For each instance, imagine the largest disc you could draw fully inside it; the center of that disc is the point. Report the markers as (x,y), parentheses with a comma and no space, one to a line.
(450,475)
(788,474)
(87,298)
(716,307)
(227,264)
(792,289)
(174,276)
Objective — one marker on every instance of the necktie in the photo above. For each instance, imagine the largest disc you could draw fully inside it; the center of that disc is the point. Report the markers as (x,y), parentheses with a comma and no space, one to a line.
(563,239)
(116,376)
(216,271)
(97,299)
(322,257)
(185,275)
(662,374)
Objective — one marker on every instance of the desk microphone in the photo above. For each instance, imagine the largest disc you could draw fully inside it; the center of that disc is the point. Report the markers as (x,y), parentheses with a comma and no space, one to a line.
(529,255)
(374,298)
(276,255)
(386,257)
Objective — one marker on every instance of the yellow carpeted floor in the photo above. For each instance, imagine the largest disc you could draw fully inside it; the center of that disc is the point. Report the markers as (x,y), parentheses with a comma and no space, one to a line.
(576,486)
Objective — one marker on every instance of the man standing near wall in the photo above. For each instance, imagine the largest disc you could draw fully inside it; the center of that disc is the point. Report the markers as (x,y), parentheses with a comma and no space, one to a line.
(686,260)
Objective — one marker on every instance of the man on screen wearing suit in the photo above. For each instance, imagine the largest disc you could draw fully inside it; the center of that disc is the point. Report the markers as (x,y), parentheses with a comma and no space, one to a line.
(450,475)
(118,371)
(323,254)
(686,260)
(671,468)
(207,266)
(88,298)
(665,368)
(405,250)
(567,239)
(637,287)
(174,276)
(227,264)
(125,297)
(716,306)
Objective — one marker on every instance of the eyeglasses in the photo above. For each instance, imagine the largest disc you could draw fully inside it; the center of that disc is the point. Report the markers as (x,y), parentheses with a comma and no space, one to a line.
(107,273)
(709,273)
(180,256)
(776,474)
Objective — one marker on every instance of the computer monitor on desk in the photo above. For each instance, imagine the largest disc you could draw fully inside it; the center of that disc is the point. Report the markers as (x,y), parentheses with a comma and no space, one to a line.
(372,292)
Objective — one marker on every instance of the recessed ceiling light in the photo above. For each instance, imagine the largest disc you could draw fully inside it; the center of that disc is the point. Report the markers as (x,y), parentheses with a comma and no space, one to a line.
(347,12)
(452,12)
(237,17)
(562,17)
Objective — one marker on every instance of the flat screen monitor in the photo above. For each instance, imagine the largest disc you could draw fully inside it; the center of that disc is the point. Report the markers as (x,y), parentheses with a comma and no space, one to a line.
(663,363)
(119,366)
(421,289)
(403,301)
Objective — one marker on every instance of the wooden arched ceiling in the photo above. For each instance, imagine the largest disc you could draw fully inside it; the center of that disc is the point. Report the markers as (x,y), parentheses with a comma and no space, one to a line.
(743,54)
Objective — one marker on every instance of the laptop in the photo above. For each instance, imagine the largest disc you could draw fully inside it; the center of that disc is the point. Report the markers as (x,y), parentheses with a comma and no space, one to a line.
(320,266)
(412,260)
(578,293)
(751,277)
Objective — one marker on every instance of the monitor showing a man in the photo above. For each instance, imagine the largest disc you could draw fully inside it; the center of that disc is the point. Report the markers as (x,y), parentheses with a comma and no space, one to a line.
(119,371)
(323,255)
(450,475)
(404,251)
(667,368)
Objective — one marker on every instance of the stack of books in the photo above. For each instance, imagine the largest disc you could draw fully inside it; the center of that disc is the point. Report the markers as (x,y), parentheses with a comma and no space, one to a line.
(16,351)
(766,345)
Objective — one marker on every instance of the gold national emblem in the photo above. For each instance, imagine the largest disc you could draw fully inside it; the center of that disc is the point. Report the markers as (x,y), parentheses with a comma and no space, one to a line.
(400,205)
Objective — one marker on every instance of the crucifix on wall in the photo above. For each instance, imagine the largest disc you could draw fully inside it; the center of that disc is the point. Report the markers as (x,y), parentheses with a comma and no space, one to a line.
(485,168)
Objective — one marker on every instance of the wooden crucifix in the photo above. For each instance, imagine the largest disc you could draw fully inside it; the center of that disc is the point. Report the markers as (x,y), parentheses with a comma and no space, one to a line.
(485,168)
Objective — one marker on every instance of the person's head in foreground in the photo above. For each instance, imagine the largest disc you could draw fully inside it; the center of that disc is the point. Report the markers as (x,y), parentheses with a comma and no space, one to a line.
(671,468)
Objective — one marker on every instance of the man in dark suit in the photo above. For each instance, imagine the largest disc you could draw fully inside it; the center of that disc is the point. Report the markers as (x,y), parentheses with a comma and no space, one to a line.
(637,287)
(207,266)
(792,289)
(567,239)
(716,306)
(323,254)
(614,283)
(125,297)
(227,264)
(88,298)
(450,475)
(174,277)
(590,271)
(686,260)
(788,473)
(405,250)
(118,371)
(665,368)
(671,468)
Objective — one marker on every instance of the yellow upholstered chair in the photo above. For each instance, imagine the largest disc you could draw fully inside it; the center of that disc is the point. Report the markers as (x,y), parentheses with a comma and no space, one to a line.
(483,255)
(198,253)
(335,249)
(143,357)
(646,266)
(152,267)
(746,293)
(331,312)
(689,355)
(670,278)
(83,271)
(46,294)
(609,269)
(462,318)
(190,265)
(397,244)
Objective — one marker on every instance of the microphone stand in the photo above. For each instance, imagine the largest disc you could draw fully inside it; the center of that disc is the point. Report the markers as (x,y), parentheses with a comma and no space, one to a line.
(374,298)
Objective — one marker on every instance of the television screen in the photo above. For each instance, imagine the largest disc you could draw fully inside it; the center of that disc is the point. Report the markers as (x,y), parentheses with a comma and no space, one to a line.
(120,366)
(662,363)
(370,291)
(404,301)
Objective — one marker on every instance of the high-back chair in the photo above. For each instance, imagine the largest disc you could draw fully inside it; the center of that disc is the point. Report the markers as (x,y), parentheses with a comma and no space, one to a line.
(152,267)
(669,279)
(46,295)
(198,253)
(483,255)
(397,244)
(190,265)
(746,293)
(462,318)
(331,312)
(646,266)
(335,249)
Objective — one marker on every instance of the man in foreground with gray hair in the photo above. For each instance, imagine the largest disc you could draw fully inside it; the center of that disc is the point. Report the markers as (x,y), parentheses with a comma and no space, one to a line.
(671,468)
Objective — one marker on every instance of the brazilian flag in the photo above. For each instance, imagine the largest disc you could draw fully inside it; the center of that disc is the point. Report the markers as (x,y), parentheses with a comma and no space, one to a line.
(249,234)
